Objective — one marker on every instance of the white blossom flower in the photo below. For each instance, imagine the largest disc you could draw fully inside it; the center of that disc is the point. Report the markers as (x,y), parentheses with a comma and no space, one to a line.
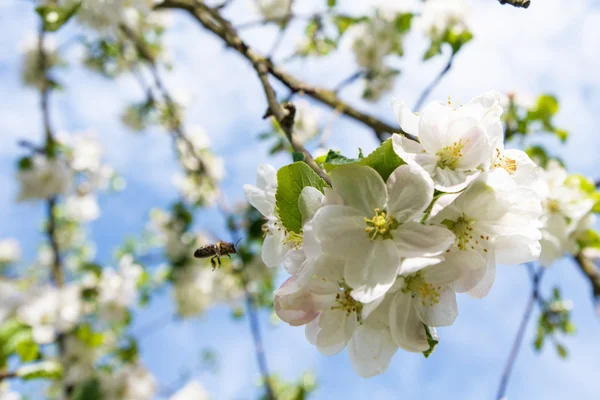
(378,225)
(439,16)
(454,143)
(82,208)
(87,151)
(31,74)
(118,289)
(491,226)
(77,360)
(10,251)
(52,311)
(565,207)
(278,242)
(372,40)
(193,390)
(306,122)
(106,15)
(7,394)
(11,297)
(130,382)
(274,9)
(43,179)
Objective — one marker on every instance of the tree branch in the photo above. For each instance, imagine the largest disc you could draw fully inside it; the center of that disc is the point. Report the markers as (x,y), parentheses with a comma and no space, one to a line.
(434,83)
(516,3)
(212,20)
(536,277)
(591,272)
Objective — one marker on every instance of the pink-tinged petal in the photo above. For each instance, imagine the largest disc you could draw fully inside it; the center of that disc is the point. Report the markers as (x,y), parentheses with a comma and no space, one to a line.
(410,191)
(415,240)
(371,349)
(442,313)
(296,309)
(408,121)
(360,187)
(406,327)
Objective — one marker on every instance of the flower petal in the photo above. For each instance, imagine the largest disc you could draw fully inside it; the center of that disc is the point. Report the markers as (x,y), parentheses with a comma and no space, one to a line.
(374,273)
(371,349)
(274,251)
(341,231)
(360,187)
(453,180)
(410,191)
(485,284)
(433,126)
(442,313)
(406,328)
(415,240)
(408,121)
(259,200)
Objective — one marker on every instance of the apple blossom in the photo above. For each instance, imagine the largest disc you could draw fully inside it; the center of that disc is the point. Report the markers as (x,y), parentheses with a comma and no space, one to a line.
(43,178)
(193,390)
(10,251)
(274,9)
(378,225)
(440,16)
(454,143)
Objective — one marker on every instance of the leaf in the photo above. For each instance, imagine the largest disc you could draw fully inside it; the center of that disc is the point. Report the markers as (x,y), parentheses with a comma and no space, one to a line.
(562,134)
(562,351)
(538,155)
(42,370)
(298,156)
(402,22)
(384,159)
(343,22)
(291,179)
(581,182)
(457,41)
(334,159)
(54,17)
(88,390)
(331,3)
(431,341)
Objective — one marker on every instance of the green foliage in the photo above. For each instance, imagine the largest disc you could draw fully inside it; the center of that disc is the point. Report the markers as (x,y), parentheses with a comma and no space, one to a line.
(293,391)
(588,238)
(456,40)
(88,390)
(86,334)
(430,341)
(41,370)
(317,41)
(538,118)
(291,179)
(54,16)
(555,319)
(24,164)
(384,160)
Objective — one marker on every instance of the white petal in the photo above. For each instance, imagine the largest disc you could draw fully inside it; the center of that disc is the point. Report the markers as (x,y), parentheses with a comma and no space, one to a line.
(407,329)
(516,249)
(266,176)
(374,273)
(485,284)
(274,250)
(410,191)
(336,329)
(433,126)
(309,202)
(259,200)
(470,133)
(414,264)
(341,231)
(443,313)
(360,187)
(371,349)
(408,121)
(453,180)
(472,269)
(442,273)
(415,240)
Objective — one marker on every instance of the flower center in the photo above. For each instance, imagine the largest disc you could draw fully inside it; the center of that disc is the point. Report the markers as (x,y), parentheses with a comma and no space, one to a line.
(553,206)
(428,294)
(380,225)
(346,303)
(465,237)
(449,155)
(292,239)
(507,164)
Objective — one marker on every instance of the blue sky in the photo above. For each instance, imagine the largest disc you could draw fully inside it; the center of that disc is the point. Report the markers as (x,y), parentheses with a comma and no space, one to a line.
(548,48)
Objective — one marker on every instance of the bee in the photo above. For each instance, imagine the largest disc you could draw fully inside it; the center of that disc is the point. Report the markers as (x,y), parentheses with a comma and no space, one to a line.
(216,251)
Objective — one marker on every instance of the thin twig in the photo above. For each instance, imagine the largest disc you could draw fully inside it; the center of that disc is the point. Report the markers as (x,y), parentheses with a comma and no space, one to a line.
(349,80)
(57,270)
(259,349)
(536,277)
(7,375)
(212,20)
(516,3)
(427,91)
(591,272)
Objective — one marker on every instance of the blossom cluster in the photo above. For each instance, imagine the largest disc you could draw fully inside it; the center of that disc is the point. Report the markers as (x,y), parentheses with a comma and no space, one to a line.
(376,259)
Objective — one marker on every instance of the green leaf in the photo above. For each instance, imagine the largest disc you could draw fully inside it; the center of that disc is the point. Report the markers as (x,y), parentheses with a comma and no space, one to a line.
(42,370)
(88,390)
(402,22)
(334,159)
(54,17)
(298,156)
(24,164)
(291,179)
(343,22)
(546,107)
(562,351)
(331,3)
(457,41)
(596,197)
(86,334)
(581,182)
(561,134)
(588,238)
(384,160)
(538,155)
(431,341)
(28,350)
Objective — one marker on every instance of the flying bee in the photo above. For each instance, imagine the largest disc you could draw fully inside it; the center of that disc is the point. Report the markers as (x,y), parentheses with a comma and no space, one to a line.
(216,251)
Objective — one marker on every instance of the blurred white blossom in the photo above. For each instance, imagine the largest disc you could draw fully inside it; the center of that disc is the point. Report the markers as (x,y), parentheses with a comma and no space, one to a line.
(10,251)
